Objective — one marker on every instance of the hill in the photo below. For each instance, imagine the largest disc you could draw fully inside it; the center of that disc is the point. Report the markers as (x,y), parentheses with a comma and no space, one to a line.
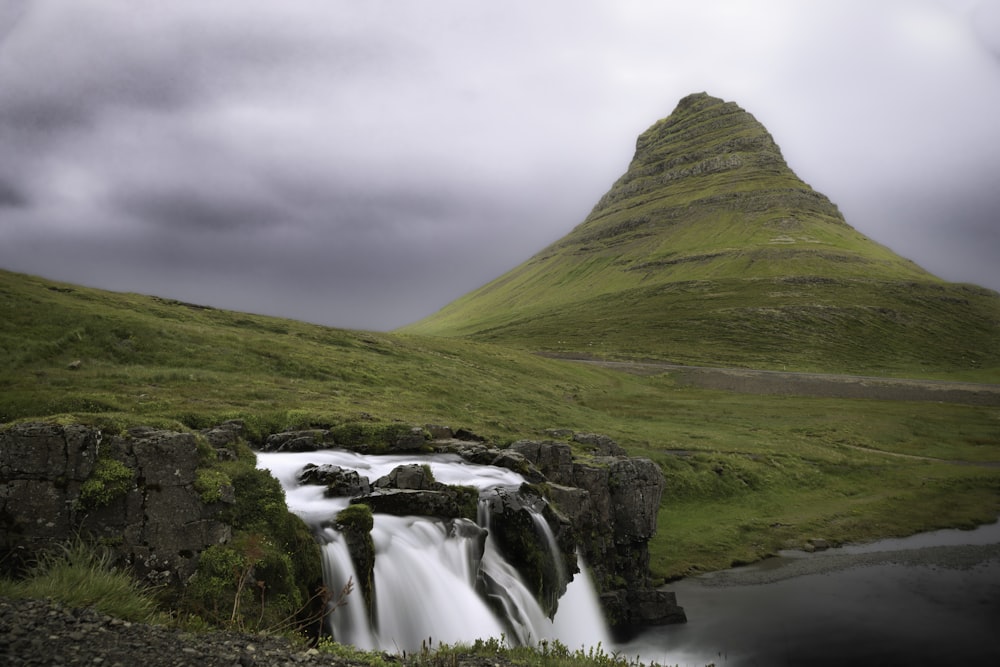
(709,250)
(745,473)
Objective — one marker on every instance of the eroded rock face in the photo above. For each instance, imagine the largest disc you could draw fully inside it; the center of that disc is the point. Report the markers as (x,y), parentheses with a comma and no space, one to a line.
(58,481)
(611,502)
(524,542)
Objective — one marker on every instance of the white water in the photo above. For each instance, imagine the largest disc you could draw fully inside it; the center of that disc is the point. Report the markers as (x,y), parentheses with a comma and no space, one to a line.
(427,571)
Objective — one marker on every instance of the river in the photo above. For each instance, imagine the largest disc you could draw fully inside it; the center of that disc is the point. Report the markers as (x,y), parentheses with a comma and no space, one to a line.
(930,599)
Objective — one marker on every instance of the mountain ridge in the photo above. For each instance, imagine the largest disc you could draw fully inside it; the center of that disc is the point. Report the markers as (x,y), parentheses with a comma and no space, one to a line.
(710,230)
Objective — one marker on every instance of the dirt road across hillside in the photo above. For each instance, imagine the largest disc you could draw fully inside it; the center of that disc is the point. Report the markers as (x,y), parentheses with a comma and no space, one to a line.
(811,384)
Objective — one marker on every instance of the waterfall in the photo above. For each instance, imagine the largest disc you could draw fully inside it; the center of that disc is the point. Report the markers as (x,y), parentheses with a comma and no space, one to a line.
(348,624)
(433,579)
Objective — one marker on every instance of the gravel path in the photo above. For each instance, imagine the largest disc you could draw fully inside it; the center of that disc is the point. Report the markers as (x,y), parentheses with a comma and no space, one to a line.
(824,385)
(40,632)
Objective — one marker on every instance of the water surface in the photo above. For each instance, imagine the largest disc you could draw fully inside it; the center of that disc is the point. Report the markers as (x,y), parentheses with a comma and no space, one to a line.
(931,599)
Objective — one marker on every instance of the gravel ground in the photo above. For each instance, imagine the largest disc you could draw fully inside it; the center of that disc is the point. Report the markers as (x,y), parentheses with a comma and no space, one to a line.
(40,632)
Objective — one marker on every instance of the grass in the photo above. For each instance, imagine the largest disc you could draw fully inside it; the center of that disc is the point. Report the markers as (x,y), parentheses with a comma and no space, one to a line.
(490,651)
(78,575)
(749,475)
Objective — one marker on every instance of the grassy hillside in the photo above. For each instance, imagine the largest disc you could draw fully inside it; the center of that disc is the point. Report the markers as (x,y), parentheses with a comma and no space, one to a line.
(745,473)
(710,250)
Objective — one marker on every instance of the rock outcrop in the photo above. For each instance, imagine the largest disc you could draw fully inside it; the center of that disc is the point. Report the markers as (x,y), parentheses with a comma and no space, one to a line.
(612,502)
(514,518)
(180,510)
(606,506)
(412,490)
(135,493)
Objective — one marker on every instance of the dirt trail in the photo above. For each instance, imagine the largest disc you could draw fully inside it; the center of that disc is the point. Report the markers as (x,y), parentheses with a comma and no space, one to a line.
(811,384)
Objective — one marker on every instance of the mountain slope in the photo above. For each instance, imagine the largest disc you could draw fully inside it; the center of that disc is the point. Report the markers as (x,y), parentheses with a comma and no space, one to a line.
(710,250)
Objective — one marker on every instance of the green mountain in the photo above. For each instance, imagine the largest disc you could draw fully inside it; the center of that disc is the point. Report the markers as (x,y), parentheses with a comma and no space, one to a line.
(710,250)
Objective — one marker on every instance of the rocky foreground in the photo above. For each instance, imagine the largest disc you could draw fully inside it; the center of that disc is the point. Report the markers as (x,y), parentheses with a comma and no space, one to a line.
(41,632)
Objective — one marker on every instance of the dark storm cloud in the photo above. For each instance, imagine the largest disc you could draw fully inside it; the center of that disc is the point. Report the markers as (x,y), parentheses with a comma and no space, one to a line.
(11,196)
(187,211)
(362,164)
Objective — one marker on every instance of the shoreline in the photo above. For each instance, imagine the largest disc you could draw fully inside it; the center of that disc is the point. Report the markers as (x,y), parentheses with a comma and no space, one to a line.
(780,568)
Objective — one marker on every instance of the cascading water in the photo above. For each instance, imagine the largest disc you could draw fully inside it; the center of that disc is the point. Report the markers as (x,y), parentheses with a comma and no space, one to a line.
(433,578)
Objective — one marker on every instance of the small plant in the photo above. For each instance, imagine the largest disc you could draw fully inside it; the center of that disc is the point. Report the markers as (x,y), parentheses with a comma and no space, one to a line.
(110,479)
(355,656)
(210,483)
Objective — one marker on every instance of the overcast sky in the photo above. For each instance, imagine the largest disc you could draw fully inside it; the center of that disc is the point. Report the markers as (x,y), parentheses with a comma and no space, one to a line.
(363,163)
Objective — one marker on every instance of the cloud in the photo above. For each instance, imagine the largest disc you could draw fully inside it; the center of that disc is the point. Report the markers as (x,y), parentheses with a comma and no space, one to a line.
(11,196)
(361,164)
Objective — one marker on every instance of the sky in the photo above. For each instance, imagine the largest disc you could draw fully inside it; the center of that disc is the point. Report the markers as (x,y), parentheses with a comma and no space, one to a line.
(362,164)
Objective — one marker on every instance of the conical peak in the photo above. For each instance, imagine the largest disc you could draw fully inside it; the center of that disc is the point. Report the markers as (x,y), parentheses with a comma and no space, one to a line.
(702,125)
(706,152)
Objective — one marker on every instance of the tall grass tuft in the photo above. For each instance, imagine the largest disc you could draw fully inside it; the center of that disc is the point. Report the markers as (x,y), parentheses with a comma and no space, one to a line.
(80,574)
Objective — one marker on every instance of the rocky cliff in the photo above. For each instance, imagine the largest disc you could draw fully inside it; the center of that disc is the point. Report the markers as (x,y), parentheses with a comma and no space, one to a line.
(179,509)
(163,503)
(134,493)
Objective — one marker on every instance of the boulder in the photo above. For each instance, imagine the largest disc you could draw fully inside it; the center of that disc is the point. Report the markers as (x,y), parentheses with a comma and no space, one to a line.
(338,481)
(637,609)
(602,445)
(439,432)
(415,439)
(225,434)
(297,441)
(410,476)
(553,459)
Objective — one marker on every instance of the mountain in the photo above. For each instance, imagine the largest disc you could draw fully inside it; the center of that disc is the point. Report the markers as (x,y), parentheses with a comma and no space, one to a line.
(710,250)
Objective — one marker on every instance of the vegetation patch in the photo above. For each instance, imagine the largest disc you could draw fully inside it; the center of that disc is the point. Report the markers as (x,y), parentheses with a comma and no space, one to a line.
(211,484)
(110,479)
(82,574)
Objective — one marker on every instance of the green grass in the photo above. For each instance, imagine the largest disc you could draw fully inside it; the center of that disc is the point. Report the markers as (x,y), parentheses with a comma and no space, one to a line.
(78,574)
(749,475)
(490,651)
(792,467)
